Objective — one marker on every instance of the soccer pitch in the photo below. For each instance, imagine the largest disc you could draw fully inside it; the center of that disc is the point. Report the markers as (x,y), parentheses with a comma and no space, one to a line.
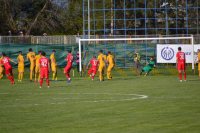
(125,104)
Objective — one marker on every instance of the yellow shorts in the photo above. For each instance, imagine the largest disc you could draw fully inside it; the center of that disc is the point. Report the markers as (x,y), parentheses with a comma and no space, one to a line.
(37,69)
(110,67)
(199,66)
(101,68)
(32,66)
(1,70)
(54,68)
(20,68)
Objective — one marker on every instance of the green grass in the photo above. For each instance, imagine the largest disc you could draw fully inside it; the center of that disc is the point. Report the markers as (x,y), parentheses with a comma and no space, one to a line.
(83,106)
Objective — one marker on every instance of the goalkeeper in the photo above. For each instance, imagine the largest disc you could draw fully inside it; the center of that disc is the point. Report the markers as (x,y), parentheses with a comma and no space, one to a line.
(149,67)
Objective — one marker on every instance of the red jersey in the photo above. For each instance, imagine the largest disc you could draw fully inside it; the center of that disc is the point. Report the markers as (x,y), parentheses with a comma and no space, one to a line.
(44,63)
(94,64)
(70,59)
(181,56)
(6,62)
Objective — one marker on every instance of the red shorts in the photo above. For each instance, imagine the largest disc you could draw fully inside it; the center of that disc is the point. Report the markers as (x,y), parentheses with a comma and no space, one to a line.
(181,66)
(94,71)
(67,69)
(44,72)
(8,70)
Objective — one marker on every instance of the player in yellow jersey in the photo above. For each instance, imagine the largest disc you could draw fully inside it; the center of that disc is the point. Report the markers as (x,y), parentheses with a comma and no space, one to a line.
(37,70)
(31,57)
(198,61)
(102,61)
(20,59)
(1,67)
(111,62)
(54,66)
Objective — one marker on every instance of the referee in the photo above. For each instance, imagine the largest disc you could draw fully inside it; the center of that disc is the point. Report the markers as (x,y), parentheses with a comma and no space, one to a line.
(137,62)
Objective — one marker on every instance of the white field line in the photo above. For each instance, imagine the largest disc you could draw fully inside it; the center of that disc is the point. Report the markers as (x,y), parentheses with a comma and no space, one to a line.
(96,100)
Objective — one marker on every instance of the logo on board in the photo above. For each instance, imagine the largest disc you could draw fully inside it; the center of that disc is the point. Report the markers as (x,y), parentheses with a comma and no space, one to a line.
(167,53)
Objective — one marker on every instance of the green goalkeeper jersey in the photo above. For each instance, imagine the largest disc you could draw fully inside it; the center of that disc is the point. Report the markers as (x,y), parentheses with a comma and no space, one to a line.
(150,65)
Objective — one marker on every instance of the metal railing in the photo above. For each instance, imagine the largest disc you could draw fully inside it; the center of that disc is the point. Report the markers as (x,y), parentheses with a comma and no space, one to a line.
(74,39)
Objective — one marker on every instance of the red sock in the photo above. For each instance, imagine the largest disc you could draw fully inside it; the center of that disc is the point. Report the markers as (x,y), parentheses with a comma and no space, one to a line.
(10,78)
(184,75)
(89,74)
(41,81)
(47,80)
(92,77)
(67,75)
(180,75)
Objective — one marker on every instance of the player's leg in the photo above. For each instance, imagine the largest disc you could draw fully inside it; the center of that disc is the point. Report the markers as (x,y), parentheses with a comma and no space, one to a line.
(147,72)
(77,67)
(199,69)
(56,77)
(138,66)
(103,72)
(31,72)
(89,73)
(47,77)
(36,72)
(100,72)
(8,73)
(135,64)
(109,72)
(1,72)
(179,70)
(41,80)
(142,71)
(184,73)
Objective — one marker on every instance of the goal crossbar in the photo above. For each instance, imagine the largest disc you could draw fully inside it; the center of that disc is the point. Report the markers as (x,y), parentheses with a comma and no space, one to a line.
(128,39)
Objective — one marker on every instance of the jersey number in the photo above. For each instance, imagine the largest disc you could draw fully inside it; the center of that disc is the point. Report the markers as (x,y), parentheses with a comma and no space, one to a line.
(182,56)
(102,59)
(44,63)
(5,61)
(94,63)
(32,56)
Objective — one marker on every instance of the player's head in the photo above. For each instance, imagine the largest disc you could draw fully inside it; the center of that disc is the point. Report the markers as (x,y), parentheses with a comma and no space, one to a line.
(198,50)
(3,54)
(151,59)
(69,51)
(94,57)
(135,51)
(30,49)
(101,51)
(179,48)
(39,52)
(77,52)
(53,52)
(20,52)
(109,52)
(43,54)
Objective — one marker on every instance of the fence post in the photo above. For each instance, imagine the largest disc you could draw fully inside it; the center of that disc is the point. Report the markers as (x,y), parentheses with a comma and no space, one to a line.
(32,40)
(65,39)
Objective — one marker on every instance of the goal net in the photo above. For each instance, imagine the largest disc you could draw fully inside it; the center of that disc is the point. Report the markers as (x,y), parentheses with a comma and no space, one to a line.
(163,50)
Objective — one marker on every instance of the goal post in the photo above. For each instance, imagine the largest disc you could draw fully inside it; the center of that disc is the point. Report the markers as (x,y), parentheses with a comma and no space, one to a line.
(135,39)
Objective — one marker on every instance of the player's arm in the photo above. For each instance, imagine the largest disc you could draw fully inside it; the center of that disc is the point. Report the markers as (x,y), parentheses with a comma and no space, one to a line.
(176,62)
(23,59)
(88,65)
(52,60)
(40,67)
(28,57)
(49,67)
(12,61)
(66,59)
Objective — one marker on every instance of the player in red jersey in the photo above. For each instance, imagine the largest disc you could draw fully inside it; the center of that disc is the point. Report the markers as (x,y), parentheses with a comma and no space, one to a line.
(180,63)
(69,59)
(93,69)
(8,67)
(44,67)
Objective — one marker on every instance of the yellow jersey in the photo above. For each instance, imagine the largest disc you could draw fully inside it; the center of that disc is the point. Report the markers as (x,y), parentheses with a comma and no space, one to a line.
(20,59)
(1,59)
(199,56)
(31,56)
(111,60)
(102,59)
(37,58)
(52,57)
